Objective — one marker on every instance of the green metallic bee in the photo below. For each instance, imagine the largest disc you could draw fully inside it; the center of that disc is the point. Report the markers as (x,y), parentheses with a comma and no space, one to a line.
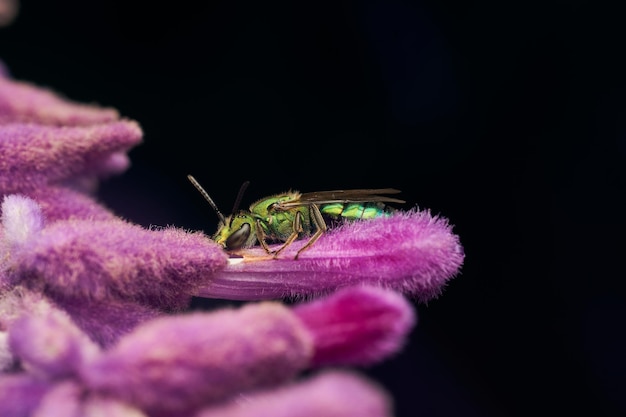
(286,217)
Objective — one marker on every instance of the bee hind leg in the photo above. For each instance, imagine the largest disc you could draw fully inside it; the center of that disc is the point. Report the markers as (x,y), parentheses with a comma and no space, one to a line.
(320,228)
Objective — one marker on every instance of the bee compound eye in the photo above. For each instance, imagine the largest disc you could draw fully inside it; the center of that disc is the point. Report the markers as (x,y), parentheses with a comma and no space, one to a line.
(239,237)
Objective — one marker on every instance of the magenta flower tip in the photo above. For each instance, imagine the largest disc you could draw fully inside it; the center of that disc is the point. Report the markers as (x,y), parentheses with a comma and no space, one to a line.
(412,252)
(357,326)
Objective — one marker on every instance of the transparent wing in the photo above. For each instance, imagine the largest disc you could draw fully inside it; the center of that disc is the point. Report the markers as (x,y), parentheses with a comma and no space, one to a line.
(345,196)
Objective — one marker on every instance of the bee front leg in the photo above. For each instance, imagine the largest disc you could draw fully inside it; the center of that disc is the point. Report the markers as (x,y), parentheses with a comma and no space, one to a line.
(260,236)
(320,228)
(297,229)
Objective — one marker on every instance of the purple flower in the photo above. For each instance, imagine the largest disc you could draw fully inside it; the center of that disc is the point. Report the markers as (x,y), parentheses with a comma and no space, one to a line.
(56,238)
(55,151)
(180,365)
(411,252)
(90,304)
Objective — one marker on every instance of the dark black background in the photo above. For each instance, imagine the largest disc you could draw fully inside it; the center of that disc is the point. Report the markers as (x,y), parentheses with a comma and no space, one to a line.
(507,118)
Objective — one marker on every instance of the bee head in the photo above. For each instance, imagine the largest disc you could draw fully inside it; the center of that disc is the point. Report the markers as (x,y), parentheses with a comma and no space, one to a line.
(236,232)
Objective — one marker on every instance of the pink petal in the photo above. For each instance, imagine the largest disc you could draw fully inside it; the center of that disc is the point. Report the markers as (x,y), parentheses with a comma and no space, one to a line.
(411,252)
(48,343)
(36,155)
(25,102)
(70,399)
(114,164)
(116,260)
(330,394)
(20,394)
(103,321)
(63,400)
(176,364)
(95,406)
(63,203)
(107,320)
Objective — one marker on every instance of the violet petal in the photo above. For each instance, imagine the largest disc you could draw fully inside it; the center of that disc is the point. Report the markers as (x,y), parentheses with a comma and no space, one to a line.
(48,343)
(357,326)
(35,155)
(411,252)
(98,260)
(20,394)
(329,394)
(106,321)
(113,164)
(63,400)
(95,406)
(70,399)
(176,364)
(25,102)
(62,203)
(17,300)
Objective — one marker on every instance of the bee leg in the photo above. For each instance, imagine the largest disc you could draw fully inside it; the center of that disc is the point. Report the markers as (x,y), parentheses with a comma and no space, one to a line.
(320,228)
(260,236)
(297,229)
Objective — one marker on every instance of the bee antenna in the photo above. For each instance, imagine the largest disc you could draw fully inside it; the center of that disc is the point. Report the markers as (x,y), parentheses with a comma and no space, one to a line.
(242,189)
(207,198)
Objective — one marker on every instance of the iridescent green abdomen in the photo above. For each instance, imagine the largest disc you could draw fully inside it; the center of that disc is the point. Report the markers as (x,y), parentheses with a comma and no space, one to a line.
(354,210)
